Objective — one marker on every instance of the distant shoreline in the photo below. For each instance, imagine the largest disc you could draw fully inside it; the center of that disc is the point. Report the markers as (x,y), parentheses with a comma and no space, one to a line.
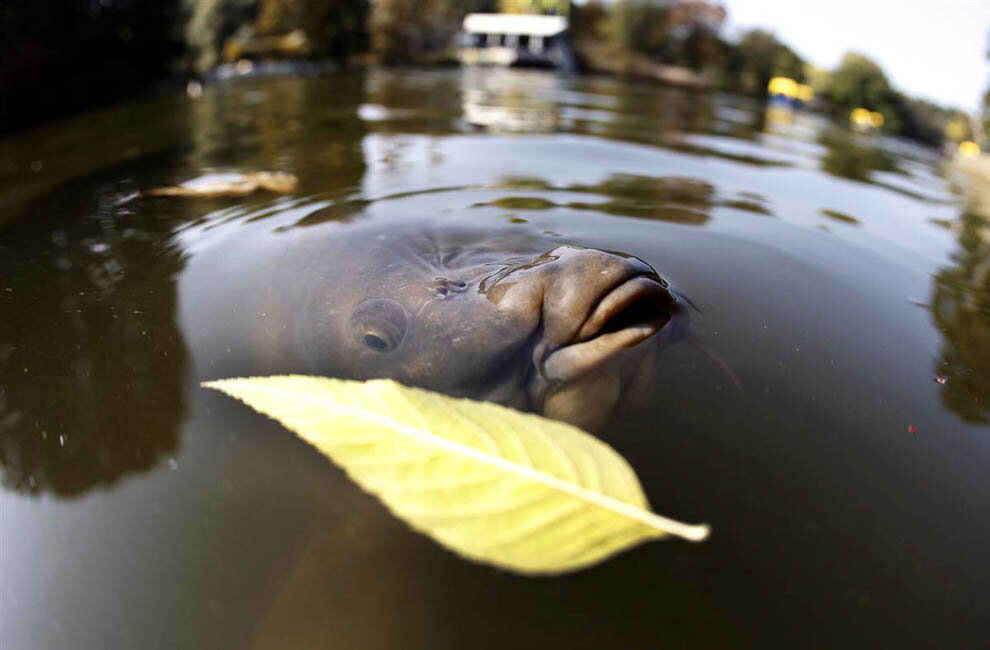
(975,171)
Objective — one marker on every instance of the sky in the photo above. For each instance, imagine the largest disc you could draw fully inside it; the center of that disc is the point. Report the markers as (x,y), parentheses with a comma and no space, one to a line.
(934,49)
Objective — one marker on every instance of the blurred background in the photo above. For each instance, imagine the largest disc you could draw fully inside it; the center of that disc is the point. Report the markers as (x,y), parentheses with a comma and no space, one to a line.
(920,68)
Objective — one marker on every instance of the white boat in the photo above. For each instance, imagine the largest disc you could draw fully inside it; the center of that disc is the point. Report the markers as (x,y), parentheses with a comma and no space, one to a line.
(516,39)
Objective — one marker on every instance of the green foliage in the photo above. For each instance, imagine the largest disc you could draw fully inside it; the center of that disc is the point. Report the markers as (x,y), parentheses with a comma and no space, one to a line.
(495,485)
(559,7)
(929,123)
(960,306)
(756,59)
(859,82)
(686,33)
(985,117)
(850,157)
(333,28)
(404,31)
(681,33)
(210,24)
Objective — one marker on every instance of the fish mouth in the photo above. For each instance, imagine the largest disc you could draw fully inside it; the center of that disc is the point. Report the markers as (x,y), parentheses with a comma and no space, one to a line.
(623,317)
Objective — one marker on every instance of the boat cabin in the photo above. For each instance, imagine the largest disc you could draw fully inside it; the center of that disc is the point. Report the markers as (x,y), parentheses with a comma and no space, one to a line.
(516,39)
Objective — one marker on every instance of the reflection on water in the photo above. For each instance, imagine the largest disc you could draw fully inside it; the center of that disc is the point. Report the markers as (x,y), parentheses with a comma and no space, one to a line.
(961,307)
(849,157)
(92,365)
(672,199)
(839,216)
(94,368)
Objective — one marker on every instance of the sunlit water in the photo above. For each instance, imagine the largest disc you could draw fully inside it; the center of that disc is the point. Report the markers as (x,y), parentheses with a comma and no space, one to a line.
(841,281)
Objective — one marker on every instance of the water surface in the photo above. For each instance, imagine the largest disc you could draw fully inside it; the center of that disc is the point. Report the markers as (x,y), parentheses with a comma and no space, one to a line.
(841,280)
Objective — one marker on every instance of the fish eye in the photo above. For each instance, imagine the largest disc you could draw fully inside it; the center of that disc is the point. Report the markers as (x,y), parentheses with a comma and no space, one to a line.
(379,324)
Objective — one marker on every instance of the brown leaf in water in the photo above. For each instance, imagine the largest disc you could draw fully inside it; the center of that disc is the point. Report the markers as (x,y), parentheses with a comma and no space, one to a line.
(279,182)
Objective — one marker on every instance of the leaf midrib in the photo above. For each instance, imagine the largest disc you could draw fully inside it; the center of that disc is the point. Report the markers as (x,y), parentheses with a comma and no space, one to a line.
(651,520)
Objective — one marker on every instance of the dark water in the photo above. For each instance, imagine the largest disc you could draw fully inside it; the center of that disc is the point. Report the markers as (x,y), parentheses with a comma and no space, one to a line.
(841,280)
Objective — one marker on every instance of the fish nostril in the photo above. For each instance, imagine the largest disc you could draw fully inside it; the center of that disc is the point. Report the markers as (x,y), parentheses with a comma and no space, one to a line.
(445,286)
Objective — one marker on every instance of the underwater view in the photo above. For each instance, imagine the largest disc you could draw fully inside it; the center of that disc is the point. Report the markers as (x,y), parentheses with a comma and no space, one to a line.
(805,368)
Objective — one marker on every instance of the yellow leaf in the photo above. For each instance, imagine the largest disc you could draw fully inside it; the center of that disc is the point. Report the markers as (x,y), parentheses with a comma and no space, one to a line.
(495,485)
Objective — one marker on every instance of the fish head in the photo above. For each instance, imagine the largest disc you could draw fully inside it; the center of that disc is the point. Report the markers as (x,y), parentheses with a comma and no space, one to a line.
(564,331)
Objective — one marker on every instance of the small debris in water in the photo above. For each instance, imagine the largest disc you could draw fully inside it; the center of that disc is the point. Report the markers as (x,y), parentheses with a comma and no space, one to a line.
(173,464)
(939,379)
(241,185)
(194,89)
(913,430)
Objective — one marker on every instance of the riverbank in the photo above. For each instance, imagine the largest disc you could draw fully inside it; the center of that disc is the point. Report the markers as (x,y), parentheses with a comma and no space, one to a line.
(975,172)
(603,57)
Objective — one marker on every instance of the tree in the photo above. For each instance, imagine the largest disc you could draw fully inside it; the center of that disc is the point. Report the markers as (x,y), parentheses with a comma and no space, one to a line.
(405,31)
(960,303)
(859,82)
(756,59)
(683,32)
(333,28)
(985,122)
(559,7)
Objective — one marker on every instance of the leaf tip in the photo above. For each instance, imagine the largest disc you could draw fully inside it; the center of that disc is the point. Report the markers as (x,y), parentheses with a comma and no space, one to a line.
(229,386)
(221,385)
(698,533)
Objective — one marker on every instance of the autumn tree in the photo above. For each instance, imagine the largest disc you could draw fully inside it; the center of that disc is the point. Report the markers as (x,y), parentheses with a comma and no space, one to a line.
(683,32)
(414,30)
(333,28)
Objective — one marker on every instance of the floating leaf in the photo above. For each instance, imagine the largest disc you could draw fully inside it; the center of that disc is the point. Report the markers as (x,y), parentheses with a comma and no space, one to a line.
(495,485)
(238,185)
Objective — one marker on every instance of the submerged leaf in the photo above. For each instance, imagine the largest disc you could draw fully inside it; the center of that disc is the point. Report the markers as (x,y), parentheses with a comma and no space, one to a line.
(495,485)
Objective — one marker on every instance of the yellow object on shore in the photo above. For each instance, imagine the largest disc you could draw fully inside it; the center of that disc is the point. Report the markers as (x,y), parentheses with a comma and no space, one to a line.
(782,86)
(789,88)
(969,149)
(864,118)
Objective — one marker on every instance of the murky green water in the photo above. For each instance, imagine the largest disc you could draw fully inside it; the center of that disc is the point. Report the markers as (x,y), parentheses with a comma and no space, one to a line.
(841,281)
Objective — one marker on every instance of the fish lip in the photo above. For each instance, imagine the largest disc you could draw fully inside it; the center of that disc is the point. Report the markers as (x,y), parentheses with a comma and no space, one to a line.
(595,342)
